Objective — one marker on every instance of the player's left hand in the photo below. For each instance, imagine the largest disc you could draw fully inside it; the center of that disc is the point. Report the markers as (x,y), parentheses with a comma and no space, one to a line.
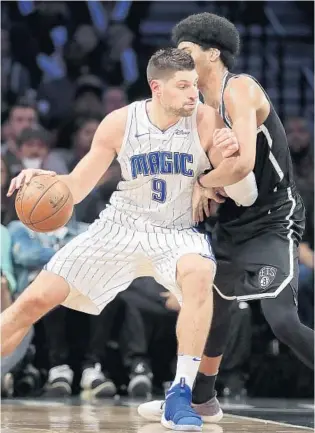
(225,140)
(201,202)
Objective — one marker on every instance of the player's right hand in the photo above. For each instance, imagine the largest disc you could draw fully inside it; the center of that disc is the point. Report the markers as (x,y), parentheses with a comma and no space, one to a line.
(25,177)
(225,140)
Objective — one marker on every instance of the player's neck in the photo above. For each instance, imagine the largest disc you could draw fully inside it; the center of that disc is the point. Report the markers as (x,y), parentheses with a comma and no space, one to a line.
(158,117)
(212,88)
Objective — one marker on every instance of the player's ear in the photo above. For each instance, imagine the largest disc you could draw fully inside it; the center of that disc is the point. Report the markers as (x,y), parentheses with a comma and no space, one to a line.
(155,86)
(213,54)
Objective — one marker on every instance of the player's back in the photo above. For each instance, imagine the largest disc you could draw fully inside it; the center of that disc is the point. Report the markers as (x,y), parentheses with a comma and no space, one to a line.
(273,172)
(159,169)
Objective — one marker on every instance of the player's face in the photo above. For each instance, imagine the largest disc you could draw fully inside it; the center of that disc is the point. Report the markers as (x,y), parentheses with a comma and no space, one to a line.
(179,94)
(200,58)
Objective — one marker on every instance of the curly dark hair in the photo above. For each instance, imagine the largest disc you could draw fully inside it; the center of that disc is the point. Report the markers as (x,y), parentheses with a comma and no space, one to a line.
(210,31)
(167,61)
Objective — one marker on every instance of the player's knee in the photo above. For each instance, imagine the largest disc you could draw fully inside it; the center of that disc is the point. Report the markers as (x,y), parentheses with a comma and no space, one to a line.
(195,277)
(36,301)
(193,264)
(35,305)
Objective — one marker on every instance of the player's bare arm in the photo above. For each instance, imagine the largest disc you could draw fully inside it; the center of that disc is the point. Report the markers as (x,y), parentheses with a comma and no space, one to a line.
(243,98)
(87,173)
(208,120)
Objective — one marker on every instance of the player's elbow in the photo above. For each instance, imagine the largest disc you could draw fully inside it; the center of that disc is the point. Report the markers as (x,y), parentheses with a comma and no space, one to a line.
(242,169)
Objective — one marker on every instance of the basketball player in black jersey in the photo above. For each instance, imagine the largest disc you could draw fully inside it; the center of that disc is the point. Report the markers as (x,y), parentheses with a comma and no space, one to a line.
(256,247)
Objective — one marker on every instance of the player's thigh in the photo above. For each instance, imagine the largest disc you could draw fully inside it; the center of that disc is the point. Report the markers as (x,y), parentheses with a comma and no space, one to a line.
(270,263)
(227,279)
(227,273)
(97,265)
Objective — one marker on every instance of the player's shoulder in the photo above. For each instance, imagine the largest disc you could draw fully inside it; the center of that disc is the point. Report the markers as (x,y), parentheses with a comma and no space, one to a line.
(242,86)
(116,120)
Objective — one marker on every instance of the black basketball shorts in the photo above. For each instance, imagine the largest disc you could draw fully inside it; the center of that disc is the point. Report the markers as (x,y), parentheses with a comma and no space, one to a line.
(260,259)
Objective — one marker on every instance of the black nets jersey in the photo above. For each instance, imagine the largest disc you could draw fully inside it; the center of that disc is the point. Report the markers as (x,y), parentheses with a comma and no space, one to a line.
(273,167)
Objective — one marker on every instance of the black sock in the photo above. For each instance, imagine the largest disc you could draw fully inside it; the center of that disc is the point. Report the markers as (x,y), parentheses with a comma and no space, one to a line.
(204,388)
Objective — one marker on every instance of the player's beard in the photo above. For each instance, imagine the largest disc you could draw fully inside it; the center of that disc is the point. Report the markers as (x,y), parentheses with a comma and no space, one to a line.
(179,112)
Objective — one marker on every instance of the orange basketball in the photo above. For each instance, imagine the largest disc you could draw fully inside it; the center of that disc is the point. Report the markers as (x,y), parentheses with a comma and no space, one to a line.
(45,204)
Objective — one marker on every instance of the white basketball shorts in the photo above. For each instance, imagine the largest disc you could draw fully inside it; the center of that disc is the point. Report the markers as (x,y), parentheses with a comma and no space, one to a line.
(104,260)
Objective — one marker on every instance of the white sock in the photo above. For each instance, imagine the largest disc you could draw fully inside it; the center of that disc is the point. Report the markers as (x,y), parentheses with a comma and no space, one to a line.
(187,368)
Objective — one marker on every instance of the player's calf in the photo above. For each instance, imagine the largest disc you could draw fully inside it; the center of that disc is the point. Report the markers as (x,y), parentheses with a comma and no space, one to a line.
(195,277)
(46,292)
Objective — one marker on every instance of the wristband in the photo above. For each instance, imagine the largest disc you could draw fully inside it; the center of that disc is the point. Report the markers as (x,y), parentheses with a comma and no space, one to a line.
(198,180)
(200,176)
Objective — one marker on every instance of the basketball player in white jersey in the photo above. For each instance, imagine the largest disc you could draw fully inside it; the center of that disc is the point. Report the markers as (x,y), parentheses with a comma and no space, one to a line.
(162,146)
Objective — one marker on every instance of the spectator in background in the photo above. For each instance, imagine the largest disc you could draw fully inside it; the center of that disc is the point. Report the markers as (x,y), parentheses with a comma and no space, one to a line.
(88,210)
(300,143)
(35,151)
(88,95)
(147,337)
(22,115)
(120,63)
(84,130)
(8,282)
(109,181)
(15,79)
(33,146)
(16,369)
(113,99)
(8,212)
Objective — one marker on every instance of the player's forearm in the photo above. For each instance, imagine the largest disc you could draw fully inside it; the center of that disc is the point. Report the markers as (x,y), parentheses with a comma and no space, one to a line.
(229,171)
(77,189)
(87,173)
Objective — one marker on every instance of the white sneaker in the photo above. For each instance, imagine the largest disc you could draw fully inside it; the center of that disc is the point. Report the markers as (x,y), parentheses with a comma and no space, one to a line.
(210,411)
(59,382)
(95,384)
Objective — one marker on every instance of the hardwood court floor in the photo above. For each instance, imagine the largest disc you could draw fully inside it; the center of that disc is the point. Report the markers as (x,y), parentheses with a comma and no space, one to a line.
(38,416)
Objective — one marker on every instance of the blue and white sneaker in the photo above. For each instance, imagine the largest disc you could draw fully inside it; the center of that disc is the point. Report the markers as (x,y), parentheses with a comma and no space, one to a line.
(178,413)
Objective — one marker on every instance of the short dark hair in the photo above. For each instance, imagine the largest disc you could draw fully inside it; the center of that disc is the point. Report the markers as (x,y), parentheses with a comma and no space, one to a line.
(210,31)
(81,121)
(35,132)
(167,61)
(23,103)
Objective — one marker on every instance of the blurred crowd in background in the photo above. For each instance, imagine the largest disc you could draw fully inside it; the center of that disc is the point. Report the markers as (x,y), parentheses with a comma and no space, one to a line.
(64,66)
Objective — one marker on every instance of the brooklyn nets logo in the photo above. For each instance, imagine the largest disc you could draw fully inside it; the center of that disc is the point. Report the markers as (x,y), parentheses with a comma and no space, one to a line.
(266,276)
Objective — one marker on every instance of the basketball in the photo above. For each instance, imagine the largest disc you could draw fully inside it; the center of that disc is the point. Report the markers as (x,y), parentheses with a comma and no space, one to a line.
(45,204)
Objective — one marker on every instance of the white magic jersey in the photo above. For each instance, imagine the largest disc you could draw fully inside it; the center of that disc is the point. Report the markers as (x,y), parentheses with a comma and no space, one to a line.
(158,170)
(147,227)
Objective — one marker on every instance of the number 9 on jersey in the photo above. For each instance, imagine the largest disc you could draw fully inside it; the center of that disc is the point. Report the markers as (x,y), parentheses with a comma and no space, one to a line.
(159,190)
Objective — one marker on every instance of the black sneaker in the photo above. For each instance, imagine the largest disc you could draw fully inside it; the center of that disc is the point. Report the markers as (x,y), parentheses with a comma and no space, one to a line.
(140,384)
